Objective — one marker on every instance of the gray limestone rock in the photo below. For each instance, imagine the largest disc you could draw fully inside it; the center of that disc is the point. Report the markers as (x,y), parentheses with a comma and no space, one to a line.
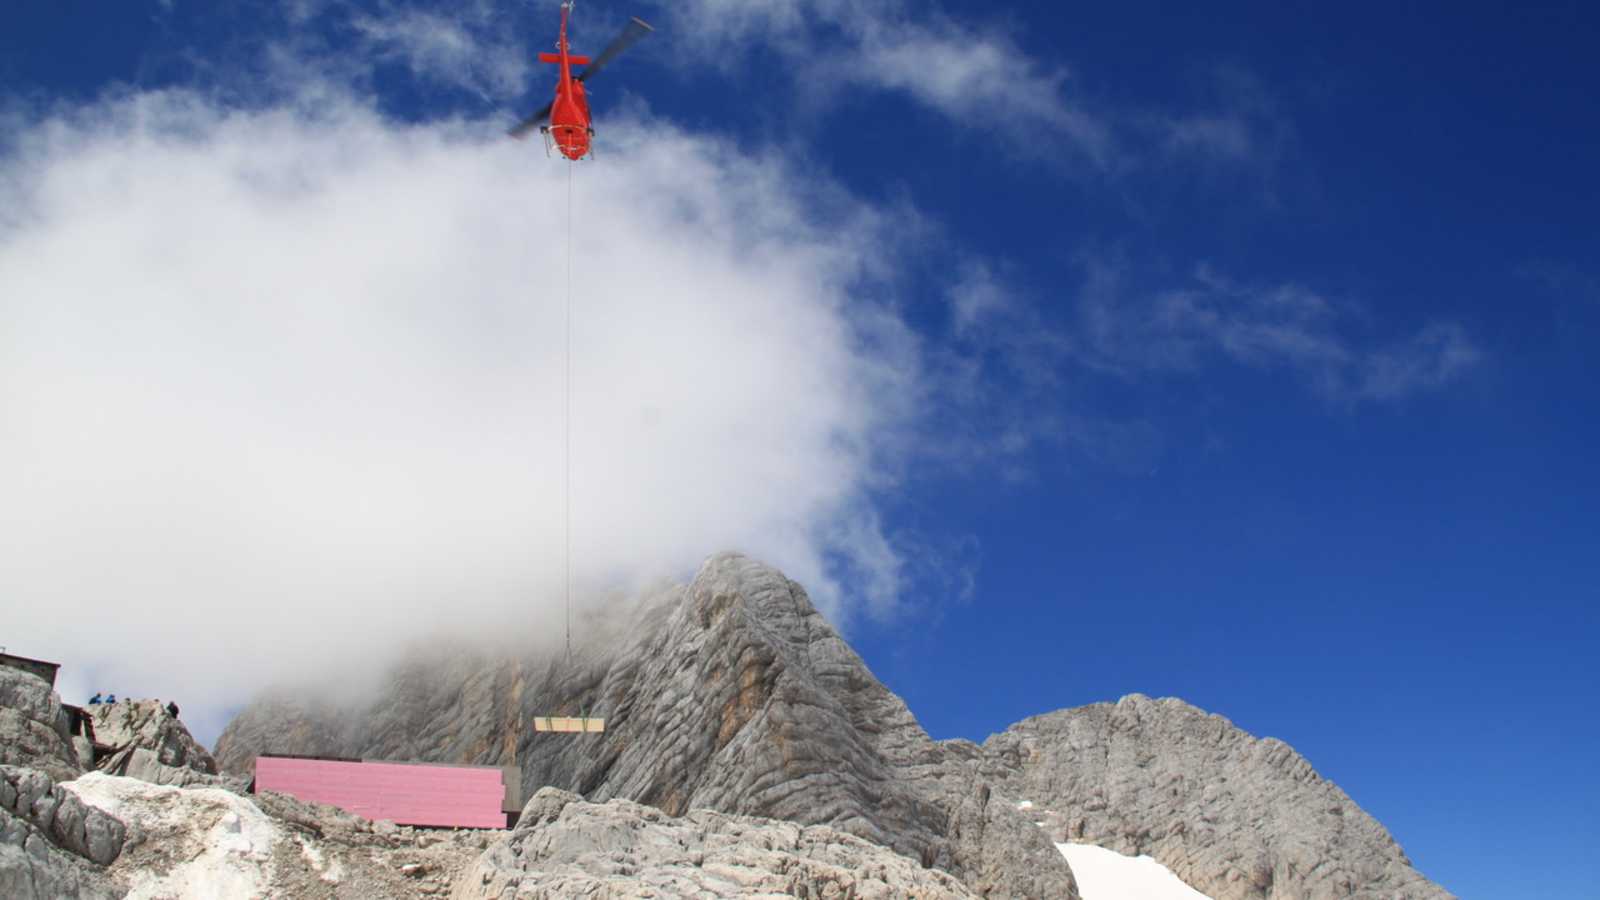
(59,816)
(315,819)
(987,828)
(33,726)
(53,845)
(145,724)
(83,752)
(1235,816)
(32,868)
(145,764)
(733,694)
(566,847)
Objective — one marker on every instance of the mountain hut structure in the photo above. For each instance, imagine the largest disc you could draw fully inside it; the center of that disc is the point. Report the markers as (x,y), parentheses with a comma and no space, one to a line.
(429,795)
(36,667)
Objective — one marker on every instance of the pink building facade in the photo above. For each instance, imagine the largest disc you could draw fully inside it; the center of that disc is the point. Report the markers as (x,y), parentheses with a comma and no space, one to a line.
(436,796)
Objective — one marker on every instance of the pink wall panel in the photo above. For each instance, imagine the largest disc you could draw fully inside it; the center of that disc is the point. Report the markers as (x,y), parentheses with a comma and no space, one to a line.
(442,796)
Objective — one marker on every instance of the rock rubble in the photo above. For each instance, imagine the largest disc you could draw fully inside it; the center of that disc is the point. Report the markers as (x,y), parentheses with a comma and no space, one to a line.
(565,847)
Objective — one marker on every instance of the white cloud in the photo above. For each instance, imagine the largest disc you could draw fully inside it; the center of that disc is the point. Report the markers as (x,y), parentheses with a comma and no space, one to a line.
(1431,359)
(1284,326)
(977,298)
(980,79)
(277,389)
(1564,280)
(1237,120)
(1226,137)
(461,52)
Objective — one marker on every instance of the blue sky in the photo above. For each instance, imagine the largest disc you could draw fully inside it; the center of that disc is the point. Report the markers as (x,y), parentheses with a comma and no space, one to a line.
(1249,344)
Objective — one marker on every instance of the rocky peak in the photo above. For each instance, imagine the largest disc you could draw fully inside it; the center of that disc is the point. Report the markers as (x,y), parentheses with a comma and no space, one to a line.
(132,724)
(734,694)
(731,694)
(1236,816)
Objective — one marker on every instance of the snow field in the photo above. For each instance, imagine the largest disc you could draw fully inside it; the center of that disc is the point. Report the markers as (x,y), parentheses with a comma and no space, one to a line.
(223,841)
(1108,875)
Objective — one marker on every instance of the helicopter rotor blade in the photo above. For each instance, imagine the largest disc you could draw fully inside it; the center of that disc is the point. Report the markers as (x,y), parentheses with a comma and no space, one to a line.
(527,125)
(634,30)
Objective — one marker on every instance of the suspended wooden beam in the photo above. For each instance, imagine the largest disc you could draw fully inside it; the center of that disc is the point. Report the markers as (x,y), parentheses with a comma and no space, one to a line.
(569,724)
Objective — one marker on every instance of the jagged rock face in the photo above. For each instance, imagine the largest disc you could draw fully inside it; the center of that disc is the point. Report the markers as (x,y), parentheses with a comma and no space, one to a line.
(565,847)
(146,724)
(733,694)
(52,844)
(59,815)
(145,765)
(34,730)
(1237,817)
(32,868)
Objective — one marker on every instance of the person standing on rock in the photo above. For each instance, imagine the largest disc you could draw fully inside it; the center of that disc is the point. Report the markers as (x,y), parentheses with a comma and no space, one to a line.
(172,709)
(95,700)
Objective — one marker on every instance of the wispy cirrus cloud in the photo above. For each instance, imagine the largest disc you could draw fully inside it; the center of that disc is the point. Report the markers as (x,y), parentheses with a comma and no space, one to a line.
(1235,118)
(1563,279)
(466,49)
(482,49)
(984,80)
(1219,135)
(1283,326)
(980,78)
(1016,376)
(1004,353)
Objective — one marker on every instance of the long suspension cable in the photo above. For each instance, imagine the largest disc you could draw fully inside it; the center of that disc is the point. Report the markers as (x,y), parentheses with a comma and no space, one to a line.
(567,424)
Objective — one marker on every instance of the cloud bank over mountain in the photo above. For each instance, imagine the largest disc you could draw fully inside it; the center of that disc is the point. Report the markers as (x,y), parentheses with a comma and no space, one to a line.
(282,371)
(286,384)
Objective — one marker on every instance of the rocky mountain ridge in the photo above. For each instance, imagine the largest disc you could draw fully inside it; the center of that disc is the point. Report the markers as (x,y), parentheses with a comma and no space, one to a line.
(97,835)
(1233,815)
(733,694)
(747,750)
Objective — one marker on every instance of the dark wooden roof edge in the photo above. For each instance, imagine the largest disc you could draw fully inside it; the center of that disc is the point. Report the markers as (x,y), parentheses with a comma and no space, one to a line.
(42,662)
(388,762)
(308,756)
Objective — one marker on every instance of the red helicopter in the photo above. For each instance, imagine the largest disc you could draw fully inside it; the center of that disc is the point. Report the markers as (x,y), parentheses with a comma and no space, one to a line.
(569,128)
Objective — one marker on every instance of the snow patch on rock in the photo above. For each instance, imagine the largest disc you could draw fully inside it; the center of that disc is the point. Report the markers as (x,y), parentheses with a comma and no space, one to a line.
(1108,875)
(219,844)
